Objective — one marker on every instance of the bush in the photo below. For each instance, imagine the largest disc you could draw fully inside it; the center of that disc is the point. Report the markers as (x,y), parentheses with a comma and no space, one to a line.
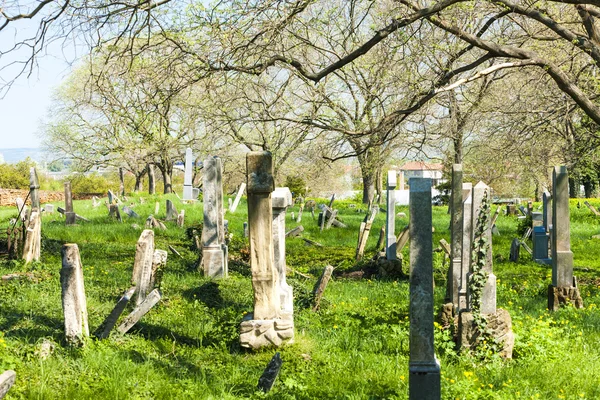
(15,176)
(89,183)
(296,184)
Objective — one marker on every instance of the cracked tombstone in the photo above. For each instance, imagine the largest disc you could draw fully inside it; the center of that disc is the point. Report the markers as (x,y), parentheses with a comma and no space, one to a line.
(142,309)
(142,265)
(267,325)
(214,249)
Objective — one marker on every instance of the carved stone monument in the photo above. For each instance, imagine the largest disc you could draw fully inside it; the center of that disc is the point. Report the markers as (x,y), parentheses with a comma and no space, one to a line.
(390,224)
(187,177)
(267,325)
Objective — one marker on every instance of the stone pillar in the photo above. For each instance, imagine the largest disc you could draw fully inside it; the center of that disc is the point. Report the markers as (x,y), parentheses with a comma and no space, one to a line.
(466,241)
(390,222)
(401,180)
(563,288)
(34,189)
(73,296)
(264,327)
(187,177)
(281,200)
(214,250)
(424,368)
(456,228)
(488,296)
(69,214)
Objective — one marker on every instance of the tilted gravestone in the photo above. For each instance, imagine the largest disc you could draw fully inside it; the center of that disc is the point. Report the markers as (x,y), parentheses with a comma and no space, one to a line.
(70,216)
(73,296)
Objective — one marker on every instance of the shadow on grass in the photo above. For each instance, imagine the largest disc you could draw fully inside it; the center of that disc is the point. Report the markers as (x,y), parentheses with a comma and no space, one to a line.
(45,327)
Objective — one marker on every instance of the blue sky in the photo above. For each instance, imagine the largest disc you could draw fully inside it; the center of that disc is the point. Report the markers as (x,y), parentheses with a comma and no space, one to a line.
(27,103)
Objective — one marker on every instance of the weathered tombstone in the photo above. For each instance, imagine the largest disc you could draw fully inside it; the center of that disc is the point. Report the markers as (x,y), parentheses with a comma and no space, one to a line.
(281,199)
(245,229)
(540,245)
(49,208)
(424,368)
(267,379)
(95,201)
(294,232)
(7,380)
(142,265)
(537,219)
(563,288)
(130,213)
(481,197)
(320,286)
(214,250)
(156,208)
(114,212)
(111,197)
(20,208)
(70,216)
(456,236)
(300,213)
(294,217)
(230,203)
(187,176)
(159,263)
(265,326)
(110,321)
(171,211)
(141,310)
(33,238)
(390,222)
(34,189)
(515,247)
(466,241)
(181,219)
(547,210)
(73,296)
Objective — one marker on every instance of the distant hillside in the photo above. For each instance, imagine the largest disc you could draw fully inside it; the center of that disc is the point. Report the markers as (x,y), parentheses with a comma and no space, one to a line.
(20,154)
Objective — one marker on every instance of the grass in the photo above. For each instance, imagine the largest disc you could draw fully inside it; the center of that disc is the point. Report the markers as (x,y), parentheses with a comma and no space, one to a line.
(355,347)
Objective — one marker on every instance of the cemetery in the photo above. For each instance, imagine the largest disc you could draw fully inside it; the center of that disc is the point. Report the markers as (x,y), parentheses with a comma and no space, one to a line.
(92,305)
(300,199)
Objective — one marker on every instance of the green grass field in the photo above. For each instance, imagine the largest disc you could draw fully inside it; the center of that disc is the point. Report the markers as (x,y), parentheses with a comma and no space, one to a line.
(355,347)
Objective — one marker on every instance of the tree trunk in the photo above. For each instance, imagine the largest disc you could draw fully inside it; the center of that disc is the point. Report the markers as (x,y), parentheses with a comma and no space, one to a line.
(166,168)
(588,187)
(379,184)
(368,178)
(151,179)
(121,181)
(139,180)
(573,188)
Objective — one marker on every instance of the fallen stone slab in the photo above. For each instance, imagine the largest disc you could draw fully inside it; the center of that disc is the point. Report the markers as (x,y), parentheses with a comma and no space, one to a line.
(151,300)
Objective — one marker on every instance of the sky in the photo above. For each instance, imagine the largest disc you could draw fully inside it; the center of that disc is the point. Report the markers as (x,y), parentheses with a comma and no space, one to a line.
(26,104)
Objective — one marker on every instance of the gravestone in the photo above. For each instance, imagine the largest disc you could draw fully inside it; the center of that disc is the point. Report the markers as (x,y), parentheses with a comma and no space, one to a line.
(481,194)
(515,248)
(390,222)
(547,210)
(110,321)
(33,238)
(7,380)
(130,213)
(214,250)
(111,197)
(49,208)
(187,176)
(20,208)
(456,230)
(142,265)
(267,325)
(114,212)
(34,189)
(537,219)
(540,245)
(245,229)
(563,288)
(466,242)
(70,216)
(171,211)
(138,312)
(281,200)
(424,368)
(73,296)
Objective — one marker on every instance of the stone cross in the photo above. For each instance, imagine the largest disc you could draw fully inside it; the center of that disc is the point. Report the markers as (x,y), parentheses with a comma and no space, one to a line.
(281,200)
(390,223)
(267,325)
(214,250)
(466,241)
(488,296)
(34,189)
(73,296)
(424,368)
(456,235)
(187,177)
(70,216)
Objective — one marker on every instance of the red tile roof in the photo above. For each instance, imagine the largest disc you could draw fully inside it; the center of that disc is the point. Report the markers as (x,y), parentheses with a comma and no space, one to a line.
(420,166)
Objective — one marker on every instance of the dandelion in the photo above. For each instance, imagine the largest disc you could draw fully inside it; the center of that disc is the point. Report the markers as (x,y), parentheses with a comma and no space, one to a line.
(468,374)
(402,377)
(452,381)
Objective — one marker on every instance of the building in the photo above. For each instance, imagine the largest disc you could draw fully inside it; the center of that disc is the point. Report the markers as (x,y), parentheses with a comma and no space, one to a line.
(420,169)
